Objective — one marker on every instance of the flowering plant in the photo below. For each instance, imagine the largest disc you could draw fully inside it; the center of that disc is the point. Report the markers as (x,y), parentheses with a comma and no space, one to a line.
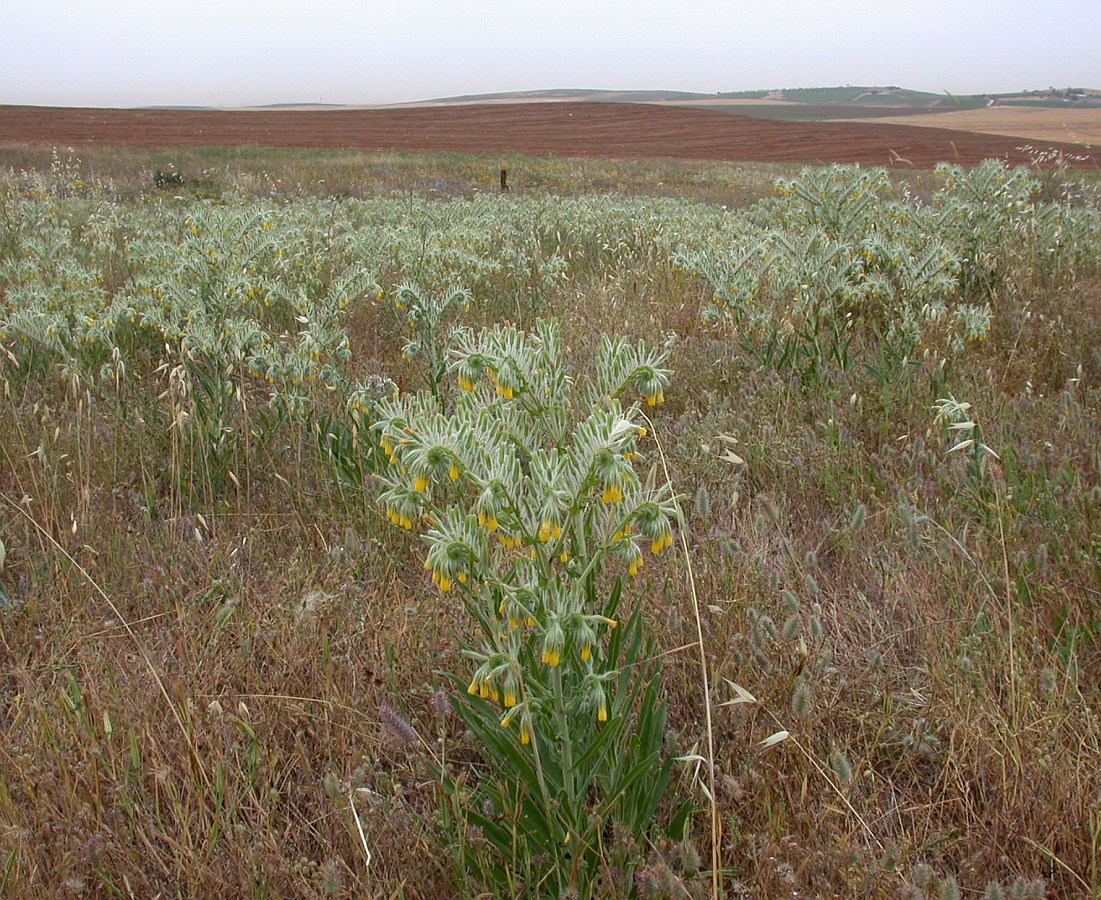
(533,514)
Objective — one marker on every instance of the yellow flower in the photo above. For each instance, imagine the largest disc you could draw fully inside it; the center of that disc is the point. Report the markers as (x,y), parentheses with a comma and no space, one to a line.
(453,472)
(661,542)
(602,711)
(419,483)
(550,656)
(612,493)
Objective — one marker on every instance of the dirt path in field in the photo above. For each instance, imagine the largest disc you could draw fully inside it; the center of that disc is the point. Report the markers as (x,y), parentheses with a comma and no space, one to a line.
(565,129)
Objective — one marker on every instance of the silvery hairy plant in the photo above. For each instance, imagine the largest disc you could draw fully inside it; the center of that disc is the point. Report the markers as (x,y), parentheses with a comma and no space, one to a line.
(532,512)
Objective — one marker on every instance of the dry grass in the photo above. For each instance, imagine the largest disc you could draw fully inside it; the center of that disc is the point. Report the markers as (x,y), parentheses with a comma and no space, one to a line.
(188,697)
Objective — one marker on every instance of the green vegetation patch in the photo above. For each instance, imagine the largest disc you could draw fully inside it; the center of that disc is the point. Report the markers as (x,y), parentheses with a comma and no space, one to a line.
(651,530)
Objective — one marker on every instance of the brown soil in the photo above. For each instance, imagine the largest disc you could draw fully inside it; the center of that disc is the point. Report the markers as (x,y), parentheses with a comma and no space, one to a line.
(565,129)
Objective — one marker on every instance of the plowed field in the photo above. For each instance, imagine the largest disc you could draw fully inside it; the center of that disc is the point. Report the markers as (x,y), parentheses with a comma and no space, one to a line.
(566,129)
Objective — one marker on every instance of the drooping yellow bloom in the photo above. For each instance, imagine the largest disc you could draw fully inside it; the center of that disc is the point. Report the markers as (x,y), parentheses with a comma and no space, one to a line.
(602,711)
(525,735)
(453,472)
(550,656)
(419,483)
(661,542)
(612,494)
(655,398)
(585,652)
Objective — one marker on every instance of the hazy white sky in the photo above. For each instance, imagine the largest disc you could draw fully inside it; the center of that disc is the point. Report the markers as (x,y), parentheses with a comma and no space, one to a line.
(238,52)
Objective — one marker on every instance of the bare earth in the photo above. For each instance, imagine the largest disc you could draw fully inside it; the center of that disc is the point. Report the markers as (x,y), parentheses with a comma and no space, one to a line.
(565,129)
(1075,126)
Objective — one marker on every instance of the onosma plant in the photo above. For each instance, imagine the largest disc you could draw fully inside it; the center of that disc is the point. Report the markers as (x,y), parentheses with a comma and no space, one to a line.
(533,513)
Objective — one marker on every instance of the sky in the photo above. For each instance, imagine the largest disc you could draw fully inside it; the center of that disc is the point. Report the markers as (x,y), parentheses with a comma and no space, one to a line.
(252,52)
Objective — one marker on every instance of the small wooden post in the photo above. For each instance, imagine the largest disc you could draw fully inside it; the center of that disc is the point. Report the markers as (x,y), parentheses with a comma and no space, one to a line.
(504,180)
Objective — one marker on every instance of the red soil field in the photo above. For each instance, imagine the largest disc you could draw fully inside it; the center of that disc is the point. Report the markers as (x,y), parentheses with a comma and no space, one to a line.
(619,130)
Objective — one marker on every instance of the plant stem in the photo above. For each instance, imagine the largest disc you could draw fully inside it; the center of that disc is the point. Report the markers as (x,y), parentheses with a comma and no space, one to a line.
(565,743)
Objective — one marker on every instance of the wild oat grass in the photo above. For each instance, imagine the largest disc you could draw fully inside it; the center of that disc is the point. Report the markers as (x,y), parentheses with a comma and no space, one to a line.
(203,691)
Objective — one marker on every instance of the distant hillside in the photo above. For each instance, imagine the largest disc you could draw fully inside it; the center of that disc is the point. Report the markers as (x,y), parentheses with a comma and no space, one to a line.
(807,104)
(573,95)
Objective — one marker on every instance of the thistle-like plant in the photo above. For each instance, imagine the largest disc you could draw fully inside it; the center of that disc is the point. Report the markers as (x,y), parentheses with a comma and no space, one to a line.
(835,269)
(425,315)
(533,513)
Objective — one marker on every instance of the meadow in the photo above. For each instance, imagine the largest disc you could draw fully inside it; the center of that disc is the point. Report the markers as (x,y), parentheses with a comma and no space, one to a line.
(655,529)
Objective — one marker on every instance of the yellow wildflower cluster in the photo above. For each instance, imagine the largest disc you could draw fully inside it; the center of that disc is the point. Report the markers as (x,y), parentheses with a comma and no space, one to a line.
(549,530)
(483,687)
(442,579)
(397,518)
(661,542)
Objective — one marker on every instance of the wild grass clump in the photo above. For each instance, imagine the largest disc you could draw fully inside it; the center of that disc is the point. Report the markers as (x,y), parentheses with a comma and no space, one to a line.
(223,671)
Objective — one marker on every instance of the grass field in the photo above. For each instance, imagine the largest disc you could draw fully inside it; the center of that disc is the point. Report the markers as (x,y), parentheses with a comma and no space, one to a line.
(865,412)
